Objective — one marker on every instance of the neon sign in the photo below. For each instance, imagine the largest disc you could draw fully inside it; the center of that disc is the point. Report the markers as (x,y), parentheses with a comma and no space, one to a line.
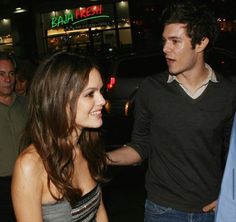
(79,15)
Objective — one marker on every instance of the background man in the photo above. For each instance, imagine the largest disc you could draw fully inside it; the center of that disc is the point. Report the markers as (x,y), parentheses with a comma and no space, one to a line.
(24,74)
(12,121)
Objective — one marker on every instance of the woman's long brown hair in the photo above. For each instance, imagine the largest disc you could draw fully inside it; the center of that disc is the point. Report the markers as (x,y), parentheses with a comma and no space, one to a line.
(57,84)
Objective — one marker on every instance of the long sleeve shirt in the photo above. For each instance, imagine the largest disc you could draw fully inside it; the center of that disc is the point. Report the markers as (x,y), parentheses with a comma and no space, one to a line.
(184,140)
(226,209)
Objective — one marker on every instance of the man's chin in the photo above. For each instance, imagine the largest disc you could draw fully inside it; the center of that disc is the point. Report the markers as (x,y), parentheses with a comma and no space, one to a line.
(173,72)
(21,93)
(7,93)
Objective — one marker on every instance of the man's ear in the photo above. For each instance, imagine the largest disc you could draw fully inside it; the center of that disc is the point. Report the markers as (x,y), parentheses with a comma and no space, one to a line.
(202,45)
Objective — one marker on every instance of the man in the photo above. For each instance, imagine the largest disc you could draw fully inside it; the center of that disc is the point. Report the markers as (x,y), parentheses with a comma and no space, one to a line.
(12,121)
(24,74)
(182,123)
(226,207)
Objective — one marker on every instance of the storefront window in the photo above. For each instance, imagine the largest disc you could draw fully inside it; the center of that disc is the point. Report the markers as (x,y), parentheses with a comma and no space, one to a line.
(123,19)
(90,29)
(110,43)
(6,42)
(122,11)
(125,37)
(96,16)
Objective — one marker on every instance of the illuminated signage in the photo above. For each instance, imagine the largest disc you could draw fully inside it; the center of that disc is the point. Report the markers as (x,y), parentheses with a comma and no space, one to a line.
(78,15)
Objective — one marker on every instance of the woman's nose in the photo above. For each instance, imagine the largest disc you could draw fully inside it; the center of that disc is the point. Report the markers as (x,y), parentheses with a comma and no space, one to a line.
(101,100)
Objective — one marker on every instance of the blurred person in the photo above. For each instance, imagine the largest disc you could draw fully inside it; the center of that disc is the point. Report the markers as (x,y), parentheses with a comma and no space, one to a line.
(12,121)
(24,74)
(21,85)
(57,178)
(226,207)
(183,119)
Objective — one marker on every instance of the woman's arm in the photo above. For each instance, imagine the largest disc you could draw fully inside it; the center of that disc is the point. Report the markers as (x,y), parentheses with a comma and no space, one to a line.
(27,188)
(101,214)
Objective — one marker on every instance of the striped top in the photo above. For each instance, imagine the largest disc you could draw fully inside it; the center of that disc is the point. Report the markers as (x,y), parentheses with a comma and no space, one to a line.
(84,210)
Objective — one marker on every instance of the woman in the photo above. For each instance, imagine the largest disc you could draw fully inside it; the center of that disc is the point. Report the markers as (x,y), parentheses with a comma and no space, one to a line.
(57,177)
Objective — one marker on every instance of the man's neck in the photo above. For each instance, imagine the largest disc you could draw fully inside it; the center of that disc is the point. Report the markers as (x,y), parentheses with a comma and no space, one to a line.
(192,80)
(6,100)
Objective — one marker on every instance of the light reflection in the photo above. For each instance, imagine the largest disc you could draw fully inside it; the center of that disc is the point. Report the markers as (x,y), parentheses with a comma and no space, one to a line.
(123,4)
(6,21)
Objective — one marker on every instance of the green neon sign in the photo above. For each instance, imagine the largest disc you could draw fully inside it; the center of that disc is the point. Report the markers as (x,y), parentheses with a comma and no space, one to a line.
(90,18)
(79,15)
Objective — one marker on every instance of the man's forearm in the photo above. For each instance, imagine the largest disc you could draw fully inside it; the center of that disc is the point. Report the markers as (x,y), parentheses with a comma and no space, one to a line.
(125,155)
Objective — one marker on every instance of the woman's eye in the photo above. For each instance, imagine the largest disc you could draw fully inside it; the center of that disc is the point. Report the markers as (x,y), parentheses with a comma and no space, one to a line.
(90,94)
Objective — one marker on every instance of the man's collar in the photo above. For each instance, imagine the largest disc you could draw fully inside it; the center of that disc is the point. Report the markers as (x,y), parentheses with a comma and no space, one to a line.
(9,100)
(211,76)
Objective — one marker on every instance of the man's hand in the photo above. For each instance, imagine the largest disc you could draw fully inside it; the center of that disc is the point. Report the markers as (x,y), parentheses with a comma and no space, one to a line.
(210,207)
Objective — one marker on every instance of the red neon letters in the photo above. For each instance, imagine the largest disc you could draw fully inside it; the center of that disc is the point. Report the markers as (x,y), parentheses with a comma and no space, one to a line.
(81,13)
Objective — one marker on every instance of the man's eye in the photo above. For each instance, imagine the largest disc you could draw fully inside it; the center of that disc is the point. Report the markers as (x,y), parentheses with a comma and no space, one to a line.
(5,74)
(175,41)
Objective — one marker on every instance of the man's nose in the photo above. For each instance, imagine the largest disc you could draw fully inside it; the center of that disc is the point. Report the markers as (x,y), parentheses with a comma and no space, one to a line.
(166,47)
(7,78)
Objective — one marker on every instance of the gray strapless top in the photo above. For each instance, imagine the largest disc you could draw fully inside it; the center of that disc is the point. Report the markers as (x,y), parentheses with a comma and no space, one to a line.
(84,210)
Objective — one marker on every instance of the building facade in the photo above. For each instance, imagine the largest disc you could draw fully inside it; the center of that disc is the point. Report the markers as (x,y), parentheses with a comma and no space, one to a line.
(87,26)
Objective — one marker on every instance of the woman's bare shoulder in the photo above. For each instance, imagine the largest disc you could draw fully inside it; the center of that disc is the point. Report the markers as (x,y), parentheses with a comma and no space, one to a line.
(27,185)
(29,162)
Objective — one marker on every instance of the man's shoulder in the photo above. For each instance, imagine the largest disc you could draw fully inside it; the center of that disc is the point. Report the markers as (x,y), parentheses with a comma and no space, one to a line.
(221,77)
(19,106)
(161,78)
(21,100)
(226,82)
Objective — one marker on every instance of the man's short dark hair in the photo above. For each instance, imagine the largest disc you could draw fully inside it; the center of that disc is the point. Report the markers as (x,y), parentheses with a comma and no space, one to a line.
(199,19)
(8,56)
